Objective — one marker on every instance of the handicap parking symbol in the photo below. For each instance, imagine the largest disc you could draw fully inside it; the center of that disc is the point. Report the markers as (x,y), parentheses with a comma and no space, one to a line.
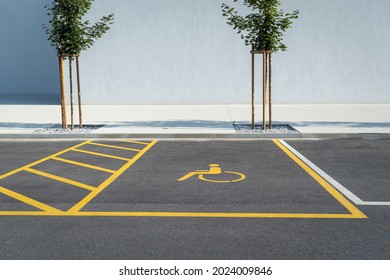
(214,169)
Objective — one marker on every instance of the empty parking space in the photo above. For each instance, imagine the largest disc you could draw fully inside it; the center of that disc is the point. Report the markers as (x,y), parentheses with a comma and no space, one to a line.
(274,185)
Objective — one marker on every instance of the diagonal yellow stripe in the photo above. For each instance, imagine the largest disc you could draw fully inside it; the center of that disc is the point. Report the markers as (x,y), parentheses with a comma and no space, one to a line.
(84,165)
(42,160)
(61,179)
(135,142)
(333,192)
(107,182)
(114,147)
(100,154)
(29,201)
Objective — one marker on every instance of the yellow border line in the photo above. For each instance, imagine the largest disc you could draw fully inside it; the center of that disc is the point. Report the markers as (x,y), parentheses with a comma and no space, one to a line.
(182,215)
(219,215)
(114,147)
(112,178)
(100,154)
(84,164)
(333,192)
(42,160)
(29,201)
(61,179)
(135,142)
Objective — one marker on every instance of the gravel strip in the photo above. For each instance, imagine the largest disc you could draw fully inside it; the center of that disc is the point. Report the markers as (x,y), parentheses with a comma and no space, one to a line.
(239,128)
(277,128)
(57,129)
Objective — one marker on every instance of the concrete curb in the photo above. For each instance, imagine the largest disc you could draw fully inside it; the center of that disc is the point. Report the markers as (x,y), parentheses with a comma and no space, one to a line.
(238,136)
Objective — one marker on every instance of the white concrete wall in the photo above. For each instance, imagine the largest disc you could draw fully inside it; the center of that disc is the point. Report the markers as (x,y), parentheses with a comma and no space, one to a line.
(183,52)
(28,66)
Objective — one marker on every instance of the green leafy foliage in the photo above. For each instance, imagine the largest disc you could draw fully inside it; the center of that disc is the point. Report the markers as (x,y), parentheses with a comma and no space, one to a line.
(264,28)
(68,32)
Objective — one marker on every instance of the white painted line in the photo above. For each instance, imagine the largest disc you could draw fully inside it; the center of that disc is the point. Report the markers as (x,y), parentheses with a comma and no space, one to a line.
(333,182)
(376,203)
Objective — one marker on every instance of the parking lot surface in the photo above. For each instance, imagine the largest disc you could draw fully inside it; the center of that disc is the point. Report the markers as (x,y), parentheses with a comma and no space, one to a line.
(131,199)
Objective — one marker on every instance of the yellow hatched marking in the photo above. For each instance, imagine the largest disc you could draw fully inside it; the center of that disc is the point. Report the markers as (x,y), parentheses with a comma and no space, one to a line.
(29,201)
(333,192)
(42,160)
(135,142)
(114,147)
(100,154)
(107,182)
(84,165)
(61,179)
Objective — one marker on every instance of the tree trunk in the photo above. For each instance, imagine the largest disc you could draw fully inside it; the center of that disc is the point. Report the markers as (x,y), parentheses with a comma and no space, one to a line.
(62,90)
(253,87)
(270,92)
(264,86)
(79,91)
(71,92)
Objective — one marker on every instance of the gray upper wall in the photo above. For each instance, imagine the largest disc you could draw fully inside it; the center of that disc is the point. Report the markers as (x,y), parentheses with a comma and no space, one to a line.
(183,52)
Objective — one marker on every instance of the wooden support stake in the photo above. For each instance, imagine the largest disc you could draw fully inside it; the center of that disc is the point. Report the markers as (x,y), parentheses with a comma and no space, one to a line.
(79,92)
(71,92)
(253,87)
(62,91)
(264,86)
(270,92)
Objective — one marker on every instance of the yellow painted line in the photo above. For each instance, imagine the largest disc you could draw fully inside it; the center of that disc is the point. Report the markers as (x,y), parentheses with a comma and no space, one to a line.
(135,142)
(29,201)
(112,178)
(182,215)
(114,147)
(100,154)
(338,196)
(27,213)
(84,165)
(42,160)
(218,215)
(61,179)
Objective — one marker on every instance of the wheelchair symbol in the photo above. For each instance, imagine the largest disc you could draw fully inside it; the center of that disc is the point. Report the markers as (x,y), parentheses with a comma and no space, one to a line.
(214,170)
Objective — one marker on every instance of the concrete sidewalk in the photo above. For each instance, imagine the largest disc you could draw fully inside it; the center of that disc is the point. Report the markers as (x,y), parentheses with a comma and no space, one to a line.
(312,120)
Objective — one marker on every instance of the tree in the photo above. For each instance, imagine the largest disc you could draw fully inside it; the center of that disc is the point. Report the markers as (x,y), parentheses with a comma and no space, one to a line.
(263,30)
(70,34)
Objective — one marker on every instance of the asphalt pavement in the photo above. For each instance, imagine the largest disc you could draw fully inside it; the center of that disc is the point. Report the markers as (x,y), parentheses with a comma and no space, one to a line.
(204,199)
